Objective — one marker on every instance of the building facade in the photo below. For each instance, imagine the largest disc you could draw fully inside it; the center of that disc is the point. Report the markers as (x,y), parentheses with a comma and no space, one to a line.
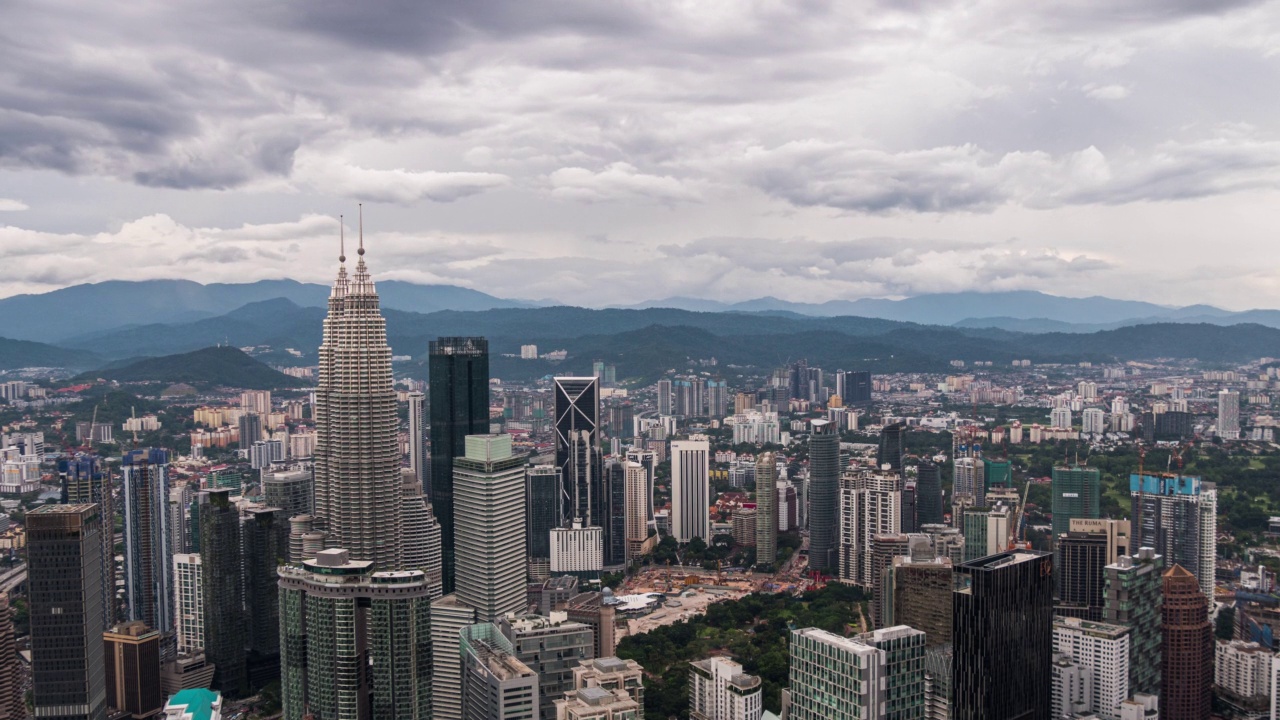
(1177,516)
(719,690)
(1187,670)
(489,511)
(691,490)
(1134,597)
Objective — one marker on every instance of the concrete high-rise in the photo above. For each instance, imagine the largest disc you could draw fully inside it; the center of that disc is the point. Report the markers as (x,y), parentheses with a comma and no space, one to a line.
(720,690)
(919,594)
(148,542)
(64,553)
(647,459)
(766,509)
(1104,650)
(691,490)
(420,541)
(1134,597)
(1229,414)
(969,484)
(355,643)
(132,670)
(418,439)
(265,542)
(1177,516)
(459,399)
(1187,671)
(824,496)
(225,632)
(1002,635)
(874,675)
(552,646)
(1077,492)
(495,684)
(1078,570)
(636,486)
(357,456)
(489,507)
(188,602)
(291,490)
(869,504)
(577,423)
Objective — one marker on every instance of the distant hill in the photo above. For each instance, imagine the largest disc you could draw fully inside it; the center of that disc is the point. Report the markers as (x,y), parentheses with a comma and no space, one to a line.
(16,354)
(210,366)
(80,310)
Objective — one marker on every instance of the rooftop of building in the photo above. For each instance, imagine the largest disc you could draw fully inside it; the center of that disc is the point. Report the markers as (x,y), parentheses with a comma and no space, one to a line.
(1089,627)
(613,664)
(830,638)
(198,702)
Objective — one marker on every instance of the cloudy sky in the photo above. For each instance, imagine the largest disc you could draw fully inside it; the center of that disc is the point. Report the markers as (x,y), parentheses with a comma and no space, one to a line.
(612,152)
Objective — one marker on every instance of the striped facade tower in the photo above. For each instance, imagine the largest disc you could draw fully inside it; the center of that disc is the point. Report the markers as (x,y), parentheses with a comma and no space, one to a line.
(358,497)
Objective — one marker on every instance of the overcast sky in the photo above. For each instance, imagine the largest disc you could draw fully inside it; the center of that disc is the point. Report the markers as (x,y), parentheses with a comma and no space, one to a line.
(601,152)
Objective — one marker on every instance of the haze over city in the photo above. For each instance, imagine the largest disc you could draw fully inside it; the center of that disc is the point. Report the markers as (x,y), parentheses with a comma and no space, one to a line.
(611,153)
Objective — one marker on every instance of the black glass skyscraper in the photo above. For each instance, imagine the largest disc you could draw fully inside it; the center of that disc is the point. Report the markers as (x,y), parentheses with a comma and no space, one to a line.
(1002,632)
(459,387)
(858,385)
(577,408)
(893,440)
(928,495)
(612,513)
(824,495)
(220,575)
(1079,569)
(542,511)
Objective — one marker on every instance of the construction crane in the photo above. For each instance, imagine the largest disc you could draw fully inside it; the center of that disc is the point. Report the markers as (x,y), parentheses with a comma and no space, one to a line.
(1020,523)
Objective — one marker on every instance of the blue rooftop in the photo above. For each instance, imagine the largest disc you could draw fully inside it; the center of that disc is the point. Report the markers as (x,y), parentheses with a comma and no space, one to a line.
(198,702)
(1163,484)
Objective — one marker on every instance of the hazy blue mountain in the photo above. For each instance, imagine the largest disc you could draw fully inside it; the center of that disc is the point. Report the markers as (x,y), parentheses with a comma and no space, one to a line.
(93,308)
(221,366)
(16,354)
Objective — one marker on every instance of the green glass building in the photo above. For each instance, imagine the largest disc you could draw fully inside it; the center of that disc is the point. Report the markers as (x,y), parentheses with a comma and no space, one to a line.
(1133,596)
(1077,491)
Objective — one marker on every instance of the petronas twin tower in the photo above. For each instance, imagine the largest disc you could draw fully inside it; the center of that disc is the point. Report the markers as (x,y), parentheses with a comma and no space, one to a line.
(358,495)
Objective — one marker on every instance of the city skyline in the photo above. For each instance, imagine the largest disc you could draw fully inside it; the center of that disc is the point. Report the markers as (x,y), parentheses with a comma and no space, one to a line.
(813,149)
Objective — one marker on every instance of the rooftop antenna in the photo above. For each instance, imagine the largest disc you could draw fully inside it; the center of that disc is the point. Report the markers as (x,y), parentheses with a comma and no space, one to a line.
(342,240)
(361,250)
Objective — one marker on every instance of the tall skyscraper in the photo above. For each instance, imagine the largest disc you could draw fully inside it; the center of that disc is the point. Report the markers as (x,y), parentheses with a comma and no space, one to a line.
(542,515)
(148,542)
(766,509)
(664,398)
(1134,598)
(858,387)
(893,446)
(489,506)
(1079,562)
(12,705)
(919,591)
(969,482)
(824,495)
(355,643)
(577,421)
(986,530)
(418,439)
(188,602)
(612,511)
(87,481)
(449,618)
(132,670)
(250,425)
(1177,516)
(64,553)
(928,495)
(1187,670)
(357,456)
(459,395)
(265,539)
(1077,491)
(691,489)
(225,633)
(636,486)
(869,504)
(291,490)
(1229,414)
(1002,633)
(648,460)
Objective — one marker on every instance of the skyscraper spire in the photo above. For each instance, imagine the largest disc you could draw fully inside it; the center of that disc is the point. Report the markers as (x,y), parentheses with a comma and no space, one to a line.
(357,459)
(341,284)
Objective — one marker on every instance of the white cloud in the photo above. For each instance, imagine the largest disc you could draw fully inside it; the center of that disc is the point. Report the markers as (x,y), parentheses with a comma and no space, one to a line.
(1106,92)
(620,181)
(10,205)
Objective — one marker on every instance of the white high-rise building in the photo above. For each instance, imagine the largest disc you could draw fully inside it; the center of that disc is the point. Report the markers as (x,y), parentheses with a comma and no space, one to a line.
(1060,417)
(719,690)
(1229,414)
(1087,389)
(188,605)
(636,488)
(1119,405)
(691,489)
(1072,688)
(256,401)
(873,675)
(870,504)
(357,457)
(969,480)
(1243,668)
(528,352)
(577,550)
(1104,650)
(418,437)
(489,540)
(420,540)
(1094,421)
